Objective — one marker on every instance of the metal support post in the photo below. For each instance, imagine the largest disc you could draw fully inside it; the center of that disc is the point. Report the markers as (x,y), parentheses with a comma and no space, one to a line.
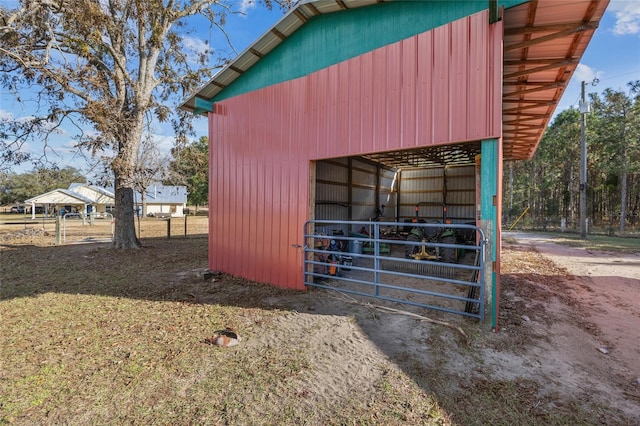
(584,109)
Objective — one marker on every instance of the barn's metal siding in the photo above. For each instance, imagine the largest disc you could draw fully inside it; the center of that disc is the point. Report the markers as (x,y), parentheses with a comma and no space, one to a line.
(397,97)
(451,185)
(421,186)
(461,194)
(328,39)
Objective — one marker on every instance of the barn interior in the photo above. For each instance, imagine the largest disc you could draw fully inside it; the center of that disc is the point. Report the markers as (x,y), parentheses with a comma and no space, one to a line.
(435,184)
(396,190)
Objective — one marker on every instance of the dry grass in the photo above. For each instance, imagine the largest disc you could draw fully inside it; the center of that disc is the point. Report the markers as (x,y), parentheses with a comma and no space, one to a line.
(95,336)
(92,335)
(40,231)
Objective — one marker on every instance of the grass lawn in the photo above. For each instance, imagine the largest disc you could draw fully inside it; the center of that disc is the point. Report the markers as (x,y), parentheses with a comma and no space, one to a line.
(91,335)
(95,336)
(628,244)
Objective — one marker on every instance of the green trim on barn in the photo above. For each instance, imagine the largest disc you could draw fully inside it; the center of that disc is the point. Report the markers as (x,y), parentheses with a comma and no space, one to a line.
(488,209)
(335,37)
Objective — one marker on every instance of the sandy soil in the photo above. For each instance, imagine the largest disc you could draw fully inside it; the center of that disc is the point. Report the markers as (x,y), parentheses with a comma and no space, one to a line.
(593,341)
(607,287)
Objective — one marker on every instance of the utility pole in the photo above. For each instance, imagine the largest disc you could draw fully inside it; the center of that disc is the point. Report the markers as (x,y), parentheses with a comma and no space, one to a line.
(584,109)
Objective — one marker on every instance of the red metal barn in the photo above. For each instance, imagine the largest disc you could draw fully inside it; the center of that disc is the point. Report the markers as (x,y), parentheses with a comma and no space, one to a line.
(341,99)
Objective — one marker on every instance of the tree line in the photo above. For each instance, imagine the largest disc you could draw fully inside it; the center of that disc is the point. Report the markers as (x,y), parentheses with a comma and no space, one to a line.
(548,186)
(17,187)
(187,165)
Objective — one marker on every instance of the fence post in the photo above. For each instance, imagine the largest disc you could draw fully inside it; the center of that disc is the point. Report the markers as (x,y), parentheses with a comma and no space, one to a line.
(185,225)
(57,230)
(169,228)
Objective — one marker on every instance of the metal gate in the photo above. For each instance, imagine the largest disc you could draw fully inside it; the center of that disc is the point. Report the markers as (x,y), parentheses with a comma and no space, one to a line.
(94,227)
(430,265)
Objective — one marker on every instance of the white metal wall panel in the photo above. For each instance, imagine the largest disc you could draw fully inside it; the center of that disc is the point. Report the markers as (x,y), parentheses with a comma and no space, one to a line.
(455,185)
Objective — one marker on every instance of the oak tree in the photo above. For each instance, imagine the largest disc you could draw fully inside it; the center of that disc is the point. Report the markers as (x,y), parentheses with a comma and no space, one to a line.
(109,66)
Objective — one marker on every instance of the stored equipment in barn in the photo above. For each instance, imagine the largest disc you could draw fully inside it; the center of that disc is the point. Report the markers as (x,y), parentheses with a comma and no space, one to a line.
(449,287)
(443,235)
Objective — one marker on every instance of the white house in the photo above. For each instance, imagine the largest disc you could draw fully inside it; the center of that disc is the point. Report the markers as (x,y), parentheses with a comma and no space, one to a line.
(79,198)
(162,200)
(85,199)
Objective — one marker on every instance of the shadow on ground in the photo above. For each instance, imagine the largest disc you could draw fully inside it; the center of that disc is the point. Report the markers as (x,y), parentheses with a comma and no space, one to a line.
(477,377)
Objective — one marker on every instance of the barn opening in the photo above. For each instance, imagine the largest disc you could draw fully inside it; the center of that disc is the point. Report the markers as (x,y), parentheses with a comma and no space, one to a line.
(400,226)
(390,185)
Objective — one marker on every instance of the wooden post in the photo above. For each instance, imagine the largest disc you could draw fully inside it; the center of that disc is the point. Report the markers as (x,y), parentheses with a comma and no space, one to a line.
(169,228)
(57,230)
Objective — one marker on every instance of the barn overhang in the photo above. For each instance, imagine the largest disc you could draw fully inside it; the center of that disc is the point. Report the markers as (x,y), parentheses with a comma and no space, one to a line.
(543,43)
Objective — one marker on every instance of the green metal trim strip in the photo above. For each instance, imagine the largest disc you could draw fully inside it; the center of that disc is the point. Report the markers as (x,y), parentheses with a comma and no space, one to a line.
(203,105)
(488,190)
(328,39)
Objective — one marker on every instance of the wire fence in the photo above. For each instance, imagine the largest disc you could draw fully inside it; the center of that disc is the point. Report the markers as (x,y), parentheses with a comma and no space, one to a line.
(76,228)
(609,227)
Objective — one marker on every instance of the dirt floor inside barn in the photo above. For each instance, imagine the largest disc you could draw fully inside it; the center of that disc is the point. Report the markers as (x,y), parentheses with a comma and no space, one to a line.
(567,351)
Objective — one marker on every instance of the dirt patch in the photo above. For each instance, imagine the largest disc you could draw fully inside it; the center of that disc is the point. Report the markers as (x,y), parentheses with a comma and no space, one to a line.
(590,318)
(79,344)
(553,361)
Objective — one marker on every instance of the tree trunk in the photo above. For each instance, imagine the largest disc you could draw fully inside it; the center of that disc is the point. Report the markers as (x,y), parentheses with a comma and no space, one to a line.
(124,230)
(143,197)
(123,169)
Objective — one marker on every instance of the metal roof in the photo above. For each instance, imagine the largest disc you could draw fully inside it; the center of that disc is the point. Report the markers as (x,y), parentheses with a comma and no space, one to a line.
(432,156)
(157,193)
(161,194)
(74,187)
(286,26)
(59,196)
(543,43)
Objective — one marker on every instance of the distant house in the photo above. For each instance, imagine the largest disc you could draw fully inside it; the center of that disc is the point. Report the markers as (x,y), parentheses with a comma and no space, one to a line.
(162,200)
(86,199)
(102,200)
(79,198)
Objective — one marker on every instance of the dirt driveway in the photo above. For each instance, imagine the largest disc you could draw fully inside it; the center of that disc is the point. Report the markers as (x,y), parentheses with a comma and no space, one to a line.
(568,350)
(607,285)
(587,303)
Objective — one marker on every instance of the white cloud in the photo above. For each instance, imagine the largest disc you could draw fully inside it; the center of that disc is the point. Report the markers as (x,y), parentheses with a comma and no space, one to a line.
(164,143)
(6,116)
(44,126)
(196,49)
(196,45)
(627,14)
(246,5)
(586,73)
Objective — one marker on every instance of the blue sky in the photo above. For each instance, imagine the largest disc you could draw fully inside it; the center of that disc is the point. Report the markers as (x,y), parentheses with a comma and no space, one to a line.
(613,57)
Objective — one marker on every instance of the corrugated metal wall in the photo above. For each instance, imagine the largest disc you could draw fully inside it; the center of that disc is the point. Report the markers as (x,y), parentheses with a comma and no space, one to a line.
(347,189)
(434,188)
(461,194)
(440,87)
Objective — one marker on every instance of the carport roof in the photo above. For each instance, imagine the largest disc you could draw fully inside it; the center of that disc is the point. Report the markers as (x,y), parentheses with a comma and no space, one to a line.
(543,43)
(59,196)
